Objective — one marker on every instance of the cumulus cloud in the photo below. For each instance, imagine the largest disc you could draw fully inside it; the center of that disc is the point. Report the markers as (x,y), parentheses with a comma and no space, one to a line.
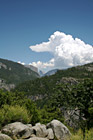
(66,51)
(42,65)
(22,63)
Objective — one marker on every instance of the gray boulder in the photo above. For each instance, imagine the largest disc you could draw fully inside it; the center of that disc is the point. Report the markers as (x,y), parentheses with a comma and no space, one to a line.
(50,134)
(38,138)
(17,129)
(61,132)
(40,130)
(26,133)
(4,137)
(30,125)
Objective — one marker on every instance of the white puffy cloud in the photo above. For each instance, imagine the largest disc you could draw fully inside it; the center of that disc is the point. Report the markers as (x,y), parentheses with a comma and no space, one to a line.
(43,66)
(22,63)
(66,51)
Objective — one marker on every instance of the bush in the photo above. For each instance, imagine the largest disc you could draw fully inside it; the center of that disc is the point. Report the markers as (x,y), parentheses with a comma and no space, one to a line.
(1,117)
(89,135)
(9,114)
(79,135)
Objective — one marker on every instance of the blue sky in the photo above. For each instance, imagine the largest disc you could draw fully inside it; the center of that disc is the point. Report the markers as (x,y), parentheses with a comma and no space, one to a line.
(25,23)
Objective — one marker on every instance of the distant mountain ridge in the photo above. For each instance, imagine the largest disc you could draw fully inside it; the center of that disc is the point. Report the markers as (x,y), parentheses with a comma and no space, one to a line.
(41,73)
(35,69)
(43,87)
(51,72)
(15,73)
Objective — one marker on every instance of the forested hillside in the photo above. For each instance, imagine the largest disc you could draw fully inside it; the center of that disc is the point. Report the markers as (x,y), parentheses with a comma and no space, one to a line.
(14,73)
(62,90)
(45,85)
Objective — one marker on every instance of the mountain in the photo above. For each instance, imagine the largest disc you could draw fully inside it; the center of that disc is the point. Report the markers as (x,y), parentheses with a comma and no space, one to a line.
(43,87)
(35,69)
(41,73)
(51,72)
(12,73)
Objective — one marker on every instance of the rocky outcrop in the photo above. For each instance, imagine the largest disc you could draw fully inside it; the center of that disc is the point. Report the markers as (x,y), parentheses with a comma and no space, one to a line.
(55,130)
(61,132)
(69,80)
(5,86)
(71,117)
(90,69)
(50,134)
(3,65)
(18,130)
(40,130)
(37,138)
(35,69)
(4,137)
(37,97)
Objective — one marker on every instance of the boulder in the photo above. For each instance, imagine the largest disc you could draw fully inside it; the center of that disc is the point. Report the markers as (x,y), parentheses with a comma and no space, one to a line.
(4,137)
(38,138)
(30,125)
(60,131)
(17,129)
(26,133)
(50,134)
(40,130)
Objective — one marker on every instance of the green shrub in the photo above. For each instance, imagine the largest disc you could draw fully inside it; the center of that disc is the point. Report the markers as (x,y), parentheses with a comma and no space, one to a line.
(9,114)
(1,117)
(89,135)
(79,135)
